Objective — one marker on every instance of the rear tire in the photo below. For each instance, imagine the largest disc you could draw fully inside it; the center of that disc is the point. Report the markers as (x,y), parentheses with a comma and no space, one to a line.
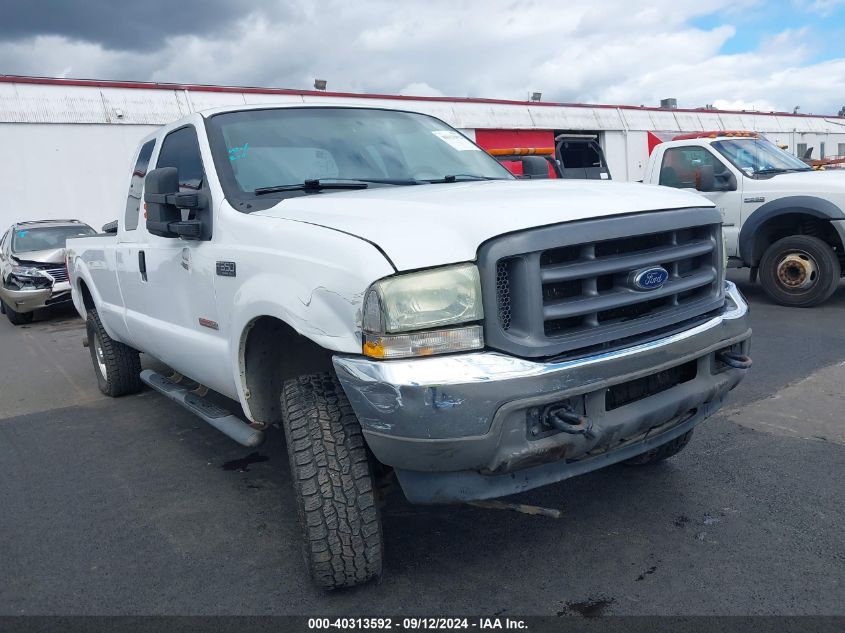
(117,366)
(17,318)
(799,271)
(333,483)
(665,451)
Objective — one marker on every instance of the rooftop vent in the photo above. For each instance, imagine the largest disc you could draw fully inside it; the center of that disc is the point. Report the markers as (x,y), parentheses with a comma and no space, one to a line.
(669,104)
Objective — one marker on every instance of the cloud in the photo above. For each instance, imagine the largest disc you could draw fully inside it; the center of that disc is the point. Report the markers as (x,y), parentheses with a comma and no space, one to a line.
(611,52)
(125,25)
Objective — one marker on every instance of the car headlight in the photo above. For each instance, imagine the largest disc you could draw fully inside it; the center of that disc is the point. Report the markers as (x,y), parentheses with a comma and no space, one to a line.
(23,277)
(28,271)
(415,314)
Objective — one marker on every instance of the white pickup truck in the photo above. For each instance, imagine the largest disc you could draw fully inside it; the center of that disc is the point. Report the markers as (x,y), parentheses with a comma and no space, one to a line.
(387,293)
(781,218)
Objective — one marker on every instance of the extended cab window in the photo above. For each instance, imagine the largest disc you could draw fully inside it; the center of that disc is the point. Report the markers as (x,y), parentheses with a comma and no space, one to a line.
(682,166)
(136,184)
(181,150)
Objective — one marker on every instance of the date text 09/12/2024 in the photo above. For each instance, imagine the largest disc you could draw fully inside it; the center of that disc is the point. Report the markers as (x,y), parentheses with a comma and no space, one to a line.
(418,623)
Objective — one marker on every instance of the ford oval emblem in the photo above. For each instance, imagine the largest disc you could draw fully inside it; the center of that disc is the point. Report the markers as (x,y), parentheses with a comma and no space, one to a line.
(649,278)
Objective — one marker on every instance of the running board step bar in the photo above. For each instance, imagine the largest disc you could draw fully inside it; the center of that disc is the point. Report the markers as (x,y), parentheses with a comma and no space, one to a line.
(215,415)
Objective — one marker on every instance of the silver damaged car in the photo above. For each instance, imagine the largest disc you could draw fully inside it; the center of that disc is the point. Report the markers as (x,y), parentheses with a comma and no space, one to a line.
(32,266)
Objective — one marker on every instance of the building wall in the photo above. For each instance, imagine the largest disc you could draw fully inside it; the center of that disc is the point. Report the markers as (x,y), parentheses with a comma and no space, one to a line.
(66,171)
(67,146)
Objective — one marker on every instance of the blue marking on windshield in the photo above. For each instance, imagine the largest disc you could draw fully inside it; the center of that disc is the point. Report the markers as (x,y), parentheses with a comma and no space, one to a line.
(236,153)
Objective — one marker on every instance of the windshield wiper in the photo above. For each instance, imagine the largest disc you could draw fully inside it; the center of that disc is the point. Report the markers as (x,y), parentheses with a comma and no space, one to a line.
(312,185)
(458,177)
(780,170)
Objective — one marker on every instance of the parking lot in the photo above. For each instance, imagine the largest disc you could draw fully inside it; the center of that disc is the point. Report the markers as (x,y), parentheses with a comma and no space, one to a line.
(133,506)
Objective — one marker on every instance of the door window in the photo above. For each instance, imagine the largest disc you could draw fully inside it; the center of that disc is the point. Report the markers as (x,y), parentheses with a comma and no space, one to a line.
(682,167)
(136,184)
(181,150)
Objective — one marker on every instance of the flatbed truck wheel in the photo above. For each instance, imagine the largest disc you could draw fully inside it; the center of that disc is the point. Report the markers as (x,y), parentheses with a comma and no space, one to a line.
(665,451)
(117,366)
(333,482)
(799,271)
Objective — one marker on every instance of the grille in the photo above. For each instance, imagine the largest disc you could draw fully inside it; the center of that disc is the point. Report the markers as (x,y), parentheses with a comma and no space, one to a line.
(503,294)
(59,274)
(633,390)
(567,287)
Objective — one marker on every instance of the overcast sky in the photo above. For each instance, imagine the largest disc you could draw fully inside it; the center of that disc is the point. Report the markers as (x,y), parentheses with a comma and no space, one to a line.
(730,53)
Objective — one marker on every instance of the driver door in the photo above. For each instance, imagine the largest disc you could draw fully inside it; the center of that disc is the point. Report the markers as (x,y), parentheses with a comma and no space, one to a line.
(681,168)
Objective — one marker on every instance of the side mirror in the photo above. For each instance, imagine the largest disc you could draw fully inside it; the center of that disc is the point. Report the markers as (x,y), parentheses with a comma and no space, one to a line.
(728,182)
(110,227)
(706,178)
(164,205)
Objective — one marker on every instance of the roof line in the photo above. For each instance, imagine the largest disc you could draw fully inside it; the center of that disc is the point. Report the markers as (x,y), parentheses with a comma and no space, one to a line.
(145,85)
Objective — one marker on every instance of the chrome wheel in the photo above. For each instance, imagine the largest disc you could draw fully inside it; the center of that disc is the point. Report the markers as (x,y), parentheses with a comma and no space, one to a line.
(797,271)
(100,356)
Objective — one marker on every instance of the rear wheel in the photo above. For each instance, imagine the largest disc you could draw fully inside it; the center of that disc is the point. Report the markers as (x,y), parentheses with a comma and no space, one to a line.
(665,451)
(799,271)
(333,482)
(17,318)
(117,366)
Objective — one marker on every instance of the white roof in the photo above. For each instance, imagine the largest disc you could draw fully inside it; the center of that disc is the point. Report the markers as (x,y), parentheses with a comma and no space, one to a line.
(45,100)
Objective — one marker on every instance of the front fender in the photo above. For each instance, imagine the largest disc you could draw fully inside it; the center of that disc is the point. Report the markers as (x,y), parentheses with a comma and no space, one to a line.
(320,298)
(809,205)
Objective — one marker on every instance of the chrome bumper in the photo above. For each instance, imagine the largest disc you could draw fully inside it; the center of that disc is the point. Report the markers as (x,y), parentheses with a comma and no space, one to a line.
(29,300)
(456,427)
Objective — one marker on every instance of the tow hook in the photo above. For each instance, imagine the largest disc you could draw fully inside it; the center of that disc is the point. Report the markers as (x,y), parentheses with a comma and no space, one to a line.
(732,359)
(564,419)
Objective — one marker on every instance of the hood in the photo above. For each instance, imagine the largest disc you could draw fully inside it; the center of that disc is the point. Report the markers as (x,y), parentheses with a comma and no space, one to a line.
(50,256)
(429,225)
(820,181)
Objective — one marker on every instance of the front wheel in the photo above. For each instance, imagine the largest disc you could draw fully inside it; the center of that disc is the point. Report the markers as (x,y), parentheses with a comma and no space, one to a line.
(16,318)
(799,271)
(333,482)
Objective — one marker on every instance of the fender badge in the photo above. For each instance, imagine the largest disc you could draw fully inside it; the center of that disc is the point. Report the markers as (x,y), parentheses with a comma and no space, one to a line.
(226,269)
(648,278)
(212,325)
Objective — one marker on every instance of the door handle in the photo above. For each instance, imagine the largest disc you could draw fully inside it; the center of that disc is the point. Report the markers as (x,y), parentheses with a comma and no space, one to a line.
(142,265)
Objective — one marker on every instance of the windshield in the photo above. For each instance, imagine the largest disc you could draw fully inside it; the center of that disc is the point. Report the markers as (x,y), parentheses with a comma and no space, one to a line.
(25,239)
(756,155)
(264,149)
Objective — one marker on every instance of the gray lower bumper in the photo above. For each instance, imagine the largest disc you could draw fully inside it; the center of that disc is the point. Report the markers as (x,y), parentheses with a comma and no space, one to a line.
(29,300)
(458,427)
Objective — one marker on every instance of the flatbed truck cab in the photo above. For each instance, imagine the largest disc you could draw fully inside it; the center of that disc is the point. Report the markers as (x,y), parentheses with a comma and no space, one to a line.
(782,219)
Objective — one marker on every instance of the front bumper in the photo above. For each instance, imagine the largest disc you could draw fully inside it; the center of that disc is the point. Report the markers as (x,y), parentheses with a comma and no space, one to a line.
(457,428)
(29,300)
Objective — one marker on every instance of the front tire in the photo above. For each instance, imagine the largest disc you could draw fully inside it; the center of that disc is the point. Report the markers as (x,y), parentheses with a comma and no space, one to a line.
(17,318)
(799,271)
(117,366)
(664,451)
(333,483)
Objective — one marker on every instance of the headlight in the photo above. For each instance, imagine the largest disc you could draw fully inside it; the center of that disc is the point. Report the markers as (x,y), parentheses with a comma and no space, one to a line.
(397,308)
(27,277)
(28,272)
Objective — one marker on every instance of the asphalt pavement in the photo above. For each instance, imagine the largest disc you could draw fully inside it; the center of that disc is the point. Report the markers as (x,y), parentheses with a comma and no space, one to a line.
(133,506)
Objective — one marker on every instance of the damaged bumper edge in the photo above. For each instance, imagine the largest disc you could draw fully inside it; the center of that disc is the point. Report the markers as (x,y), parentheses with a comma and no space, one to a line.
(469,426)
(29,300)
